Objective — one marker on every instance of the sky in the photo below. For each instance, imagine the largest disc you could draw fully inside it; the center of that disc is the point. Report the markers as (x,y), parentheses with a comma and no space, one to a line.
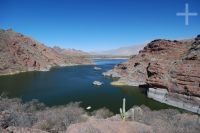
(91,25)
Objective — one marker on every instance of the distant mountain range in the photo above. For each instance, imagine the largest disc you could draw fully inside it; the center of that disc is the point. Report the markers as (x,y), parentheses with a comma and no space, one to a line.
(70,52)
(122,51)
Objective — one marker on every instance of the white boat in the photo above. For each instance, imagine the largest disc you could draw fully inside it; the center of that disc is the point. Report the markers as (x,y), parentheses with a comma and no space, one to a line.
(89,107)
(97,68)
(97,83)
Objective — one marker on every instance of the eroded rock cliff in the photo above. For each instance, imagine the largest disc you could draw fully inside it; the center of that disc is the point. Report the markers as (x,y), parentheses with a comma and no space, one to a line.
(171,65)
(165,51)
(178,75)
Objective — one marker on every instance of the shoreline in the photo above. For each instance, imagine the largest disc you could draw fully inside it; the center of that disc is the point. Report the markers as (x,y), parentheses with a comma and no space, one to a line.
(124,82)
(44,69)
(110,58)
(188,103)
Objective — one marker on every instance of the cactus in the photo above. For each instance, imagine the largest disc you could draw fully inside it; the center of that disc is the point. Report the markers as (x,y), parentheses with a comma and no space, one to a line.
(123,110)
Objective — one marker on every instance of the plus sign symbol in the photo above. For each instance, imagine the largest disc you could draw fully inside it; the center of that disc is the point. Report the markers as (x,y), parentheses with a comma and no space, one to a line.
(186,14)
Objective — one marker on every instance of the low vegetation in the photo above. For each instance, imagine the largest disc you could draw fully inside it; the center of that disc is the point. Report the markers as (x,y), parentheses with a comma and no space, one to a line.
(166,120)
(102,113)
(13,112)
(33,114)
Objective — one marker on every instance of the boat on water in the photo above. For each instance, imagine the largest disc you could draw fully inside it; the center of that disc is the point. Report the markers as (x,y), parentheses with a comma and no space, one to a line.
(98,83)
(97,68)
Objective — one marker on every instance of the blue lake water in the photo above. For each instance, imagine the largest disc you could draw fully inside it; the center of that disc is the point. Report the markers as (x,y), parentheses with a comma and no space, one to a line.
(69,84)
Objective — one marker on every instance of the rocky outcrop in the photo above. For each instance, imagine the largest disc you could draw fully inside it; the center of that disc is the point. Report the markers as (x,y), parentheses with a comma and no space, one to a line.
(20,53)
(181,78)
(135,69)
(170,65)
(181,75)
(174,99)
(108,126)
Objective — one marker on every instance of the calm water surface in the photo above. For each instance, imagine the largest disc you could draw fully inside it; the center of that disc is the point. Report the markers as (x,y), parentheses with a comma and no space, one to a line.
(69,84)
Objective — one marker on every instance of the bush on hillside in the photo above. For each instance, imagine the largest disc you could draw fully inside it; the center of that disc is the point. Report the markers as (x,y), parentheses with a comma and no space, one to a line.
(59,118)
(15,113)
(102,113)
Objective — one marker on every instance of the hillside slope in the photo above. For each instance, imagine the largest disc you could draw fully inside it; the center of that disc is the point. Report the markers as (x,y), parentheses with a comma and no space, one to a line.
(20,53)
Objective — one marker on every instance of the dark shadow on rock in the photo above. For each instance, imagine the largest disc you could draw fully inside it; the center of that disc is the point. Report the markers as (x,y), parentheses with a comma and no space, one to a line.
(144,88)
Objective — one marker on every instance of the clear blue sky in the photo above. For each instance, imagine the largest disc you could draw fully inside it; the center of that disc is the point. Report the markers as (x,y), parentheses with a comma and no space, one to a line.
(99,24)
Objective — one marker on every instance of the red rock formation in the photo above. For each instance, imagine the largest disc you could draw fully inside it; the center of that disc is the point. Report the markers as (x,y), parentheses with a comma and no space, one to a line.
(173,65)
(181,75)
(21,53)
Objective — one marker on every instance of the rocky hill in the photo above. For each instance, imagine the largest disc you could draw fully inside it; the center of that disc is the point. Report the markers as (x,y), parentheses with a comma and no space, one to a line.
(20,53)
(167,65)
(178,75)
